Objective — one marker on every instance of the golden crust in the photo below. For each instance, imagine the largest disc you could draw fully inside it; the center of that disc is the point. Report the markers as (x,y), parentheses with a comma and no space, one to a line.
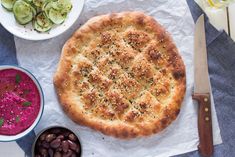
(121,74)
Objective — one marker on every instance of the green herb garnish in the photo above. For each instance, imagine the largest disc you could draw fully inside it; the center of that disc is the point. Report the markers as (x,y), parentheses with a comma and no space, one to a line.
(1,122)
(27,103)
(26,91)
(17,119)
(17,78)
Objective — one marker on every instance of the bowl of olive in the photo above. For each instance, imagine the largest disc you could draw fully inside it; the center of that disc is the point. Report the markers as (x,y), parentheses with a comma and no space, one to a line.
(56,141)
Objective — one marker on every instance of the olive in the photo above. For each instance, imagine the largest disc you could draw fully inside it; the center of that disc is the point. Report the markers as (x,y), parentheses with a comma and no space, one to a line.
(43,152)
(68,154)
(66,133)
(60,137)
(45,144)
(72,137)
(50,137)
(72,145)
(77,150)
(55,143)
(65,146)
(51,152)
(43,136)
(58,149)
(74,155)
(57,154)
(38,144)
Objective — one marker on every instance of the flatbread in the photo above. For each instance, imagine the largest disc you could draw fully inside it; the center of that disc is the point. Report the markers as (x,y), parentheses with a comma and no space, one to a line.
(121,74)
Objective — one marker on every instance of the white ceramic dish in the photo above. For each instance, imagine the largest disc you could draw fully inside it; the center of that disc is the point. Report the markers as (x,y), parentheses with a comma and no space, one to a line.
(7,138)
(27,32)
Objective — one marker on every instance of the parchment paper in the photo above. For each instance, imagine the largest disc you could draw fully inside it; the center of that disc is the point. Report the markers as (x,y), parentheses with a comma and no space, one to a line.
(41,58)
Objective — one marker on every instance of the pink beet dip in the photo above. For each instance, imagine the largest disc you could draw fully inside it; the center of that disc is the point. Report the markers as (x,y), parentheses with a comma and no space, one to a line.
(19,101)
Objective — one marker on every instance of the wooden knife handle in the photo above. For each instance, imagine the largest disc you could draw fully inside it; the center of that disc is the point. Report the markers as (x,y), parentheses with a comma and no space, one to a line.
(204,124)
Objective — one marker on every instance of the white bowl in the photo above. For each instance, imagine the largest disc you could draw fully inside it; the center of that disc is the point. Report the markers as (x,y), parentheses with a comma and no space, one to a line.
(27,32)
(7,138)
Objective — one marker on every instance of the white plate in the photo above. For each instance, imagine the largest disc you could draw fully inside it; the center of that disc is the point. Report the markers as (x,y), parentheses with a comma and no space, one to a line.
(27,32)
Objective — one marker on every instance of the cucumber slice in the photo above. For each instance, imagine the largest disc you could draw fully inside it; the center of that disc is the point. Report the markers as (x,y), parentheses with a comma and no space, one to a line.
(42,20)
(39,3)
(23,12)
(28,1)
(46,8)
(56,16)
(38,28)
(21,8)
(62,5)
(34,11)
(67,8)
(8,4)
(24,20)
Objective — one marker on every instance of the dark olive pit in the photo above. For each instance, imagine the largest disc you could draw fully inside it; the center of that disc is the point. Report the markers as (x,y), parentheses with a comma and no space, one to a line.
(57,142)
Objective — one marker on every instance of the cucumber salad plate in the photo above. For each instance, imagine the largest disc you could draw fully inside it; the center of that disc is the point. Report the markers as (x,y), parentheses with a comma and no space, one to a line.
(39,19)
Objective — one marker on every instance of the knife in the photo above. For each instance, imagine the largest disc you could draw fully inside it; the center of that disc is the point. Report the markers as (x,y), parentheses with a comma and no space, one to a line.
(202,90)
